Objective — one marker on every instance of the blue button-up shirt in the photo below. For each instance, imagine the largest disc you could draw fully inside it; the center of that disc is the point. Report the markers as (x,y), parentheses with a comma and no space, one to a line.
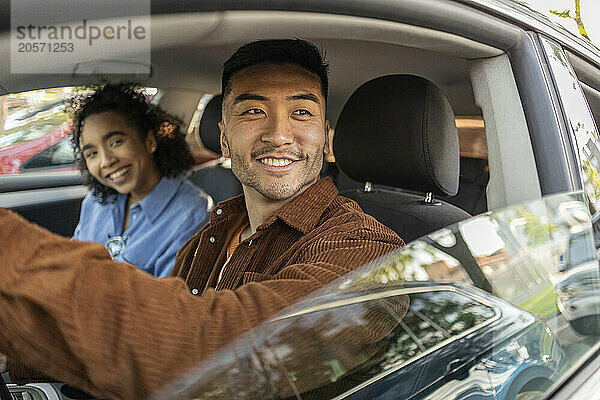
(158,225)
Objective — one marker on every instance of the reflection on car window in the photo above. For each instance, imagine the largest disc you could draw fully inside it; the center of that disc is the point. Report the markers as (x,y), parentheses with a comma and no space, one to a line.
(512,322)
(433,317)
(580,247)
(451,312)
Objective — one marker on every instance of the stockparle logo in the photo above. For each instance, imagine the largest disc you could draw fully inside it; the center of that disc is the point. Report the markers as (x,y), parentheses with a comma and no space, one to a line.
(80,36)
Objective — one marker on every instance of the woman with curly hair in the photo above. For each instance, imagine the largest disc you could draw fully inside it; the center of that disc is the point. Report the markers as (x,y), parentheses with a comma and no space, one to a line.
(132,154)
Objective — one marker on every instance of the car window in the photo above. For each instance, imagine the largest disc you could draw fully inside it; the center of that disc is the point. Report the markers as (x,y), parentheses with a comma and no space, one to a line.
(581,123)
(452,313)
(512,321)
(34,131)
(58,155)
(31,124)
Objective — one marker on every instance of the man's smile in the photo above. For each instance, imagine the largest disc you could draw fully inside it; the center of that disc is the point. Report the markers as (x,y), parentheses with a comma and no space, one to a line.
(276,162)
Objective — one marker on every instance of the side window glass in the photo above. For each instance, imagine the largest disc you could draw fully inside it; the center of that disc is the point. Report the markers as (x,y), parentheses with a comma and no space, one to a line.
(581,123)
(524,309)
(34,131)
(424,333)
(403,347)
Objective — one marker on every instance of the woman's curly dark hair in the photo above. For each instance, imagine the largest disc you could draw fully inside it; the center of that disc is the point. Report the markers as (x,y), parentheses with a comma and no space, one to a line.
(172,155)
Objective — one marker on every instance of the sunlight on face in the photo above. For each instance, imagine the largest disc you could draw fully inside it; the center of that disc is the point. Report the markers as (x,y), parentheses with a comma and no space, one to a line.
(274,129)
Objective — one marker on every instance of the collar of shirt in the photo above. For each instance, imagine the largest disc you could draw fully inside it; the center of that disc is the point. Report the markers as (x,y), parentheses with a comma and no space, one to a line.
(158,199)
(302,213)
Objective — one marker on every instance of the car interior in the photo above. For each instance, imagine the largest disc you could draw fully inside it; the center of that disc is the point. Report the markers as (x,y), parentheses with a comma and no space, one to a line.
(189,49)
(428,126)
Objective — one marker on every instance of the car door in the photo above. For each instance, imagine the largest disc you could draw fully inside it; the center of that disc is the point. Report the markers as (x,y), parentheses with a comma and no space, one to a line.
(578,100)
(414,324)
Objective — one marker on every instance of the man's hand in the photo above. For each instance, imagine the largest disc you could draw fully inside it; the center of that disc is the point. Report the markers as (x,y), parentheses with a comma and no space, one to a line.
(2,363)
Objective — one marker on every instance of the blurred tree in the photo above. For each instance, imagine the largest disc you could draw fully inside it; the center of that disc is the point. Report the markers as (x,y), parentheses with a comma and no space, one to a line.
(577,18)
(593,177)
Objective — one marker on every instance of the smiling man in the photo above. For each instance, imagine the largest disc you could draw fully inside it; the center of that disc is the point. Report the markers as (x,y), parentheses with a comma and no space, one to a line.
(275,132)
(69,311)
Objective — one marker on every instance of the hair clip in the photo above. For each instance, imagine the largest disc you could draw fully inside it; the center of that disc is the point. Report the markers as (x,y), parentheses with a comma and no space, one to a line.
(166,130)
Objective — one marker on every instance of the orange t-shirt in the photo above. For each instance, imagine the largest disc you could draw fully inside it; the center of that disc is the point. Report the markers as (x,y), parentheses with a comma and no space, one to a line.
(231,246)
(235,241)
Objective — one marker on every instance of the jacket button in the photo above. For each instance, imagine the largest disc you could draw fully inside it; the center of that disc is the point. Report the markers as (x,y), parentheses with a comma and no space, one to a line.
(194,291)
(219,211)
(211,239)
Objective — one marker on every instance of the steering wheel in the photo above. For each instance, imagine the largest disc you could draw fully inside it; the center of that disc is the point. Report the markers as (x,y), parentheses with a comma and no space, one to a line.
(4,393)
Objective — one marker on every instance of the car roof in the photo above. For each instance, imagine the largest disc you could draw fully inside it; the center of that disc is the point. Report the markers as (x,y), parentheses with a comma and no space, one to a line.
(190,42)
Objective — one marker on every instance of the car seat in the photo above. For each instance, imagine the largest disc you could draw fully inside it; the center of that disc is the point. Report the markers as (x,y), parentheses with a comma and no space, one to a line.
(341,181)
(399,131)
(214,177)
(474,177)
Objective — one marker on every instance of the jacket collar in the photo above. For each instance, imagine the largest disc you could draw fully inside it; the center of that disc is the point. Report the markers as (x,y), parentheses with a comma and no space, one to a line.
(302,213)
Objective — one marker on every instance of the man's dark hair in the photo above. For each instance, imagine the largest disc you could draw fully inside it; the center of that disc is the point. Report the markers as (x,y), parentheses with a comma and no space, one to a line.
(172,155)
(285,51)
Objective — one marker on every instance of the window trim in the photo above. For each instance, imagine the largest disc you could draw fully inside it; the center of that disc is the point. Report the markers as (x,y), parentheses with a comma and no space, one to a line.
(547,128)
(39,180)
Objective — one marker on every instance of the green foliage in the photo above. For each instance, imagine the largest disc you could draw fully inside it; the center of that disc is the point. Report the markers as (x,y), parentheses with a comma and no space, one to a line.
(577,18)
(536,231)
(392,270)
(561,14)
(593,177)
(542,304)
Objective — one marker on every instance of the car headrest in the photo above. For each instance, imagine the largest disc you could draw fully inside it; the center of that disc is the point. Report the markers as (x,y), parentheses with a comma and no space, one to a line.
(208,129)
(399,130)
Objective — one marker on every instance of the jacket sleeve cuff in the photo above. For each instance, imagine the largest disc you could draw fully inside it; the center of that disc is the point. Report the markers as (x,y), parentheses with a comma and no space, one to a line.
(21,374)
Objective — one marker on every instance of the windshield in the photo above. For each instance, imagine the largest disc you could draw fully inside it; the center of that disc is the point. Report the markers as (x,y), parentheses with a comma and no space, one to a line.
(482,306)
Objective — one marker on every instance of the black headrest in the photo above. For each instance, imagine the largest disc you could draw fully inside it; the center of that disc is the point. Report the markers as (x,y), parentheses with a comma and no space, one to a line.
(209,130)
(399,131)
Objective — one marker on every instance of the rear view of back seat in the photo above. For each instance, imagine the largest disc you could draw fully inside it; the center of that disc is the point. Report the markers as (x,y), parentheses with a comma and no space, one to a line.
(474,177)
(214,177)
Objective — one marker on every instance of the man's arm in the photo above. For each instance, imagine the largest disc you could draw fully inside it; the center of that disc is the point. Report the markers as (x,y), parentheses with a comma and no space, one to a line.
(114,331)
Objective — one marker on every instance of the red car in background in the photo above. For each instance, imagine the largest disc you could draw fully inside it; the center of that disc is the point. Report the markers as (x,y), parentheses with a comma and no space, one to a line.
(50,151)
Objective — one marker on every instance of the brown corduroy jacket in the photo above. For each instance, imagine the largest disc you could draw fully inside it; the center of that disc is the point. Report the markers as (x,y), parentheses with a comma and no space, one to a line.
(117,332)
